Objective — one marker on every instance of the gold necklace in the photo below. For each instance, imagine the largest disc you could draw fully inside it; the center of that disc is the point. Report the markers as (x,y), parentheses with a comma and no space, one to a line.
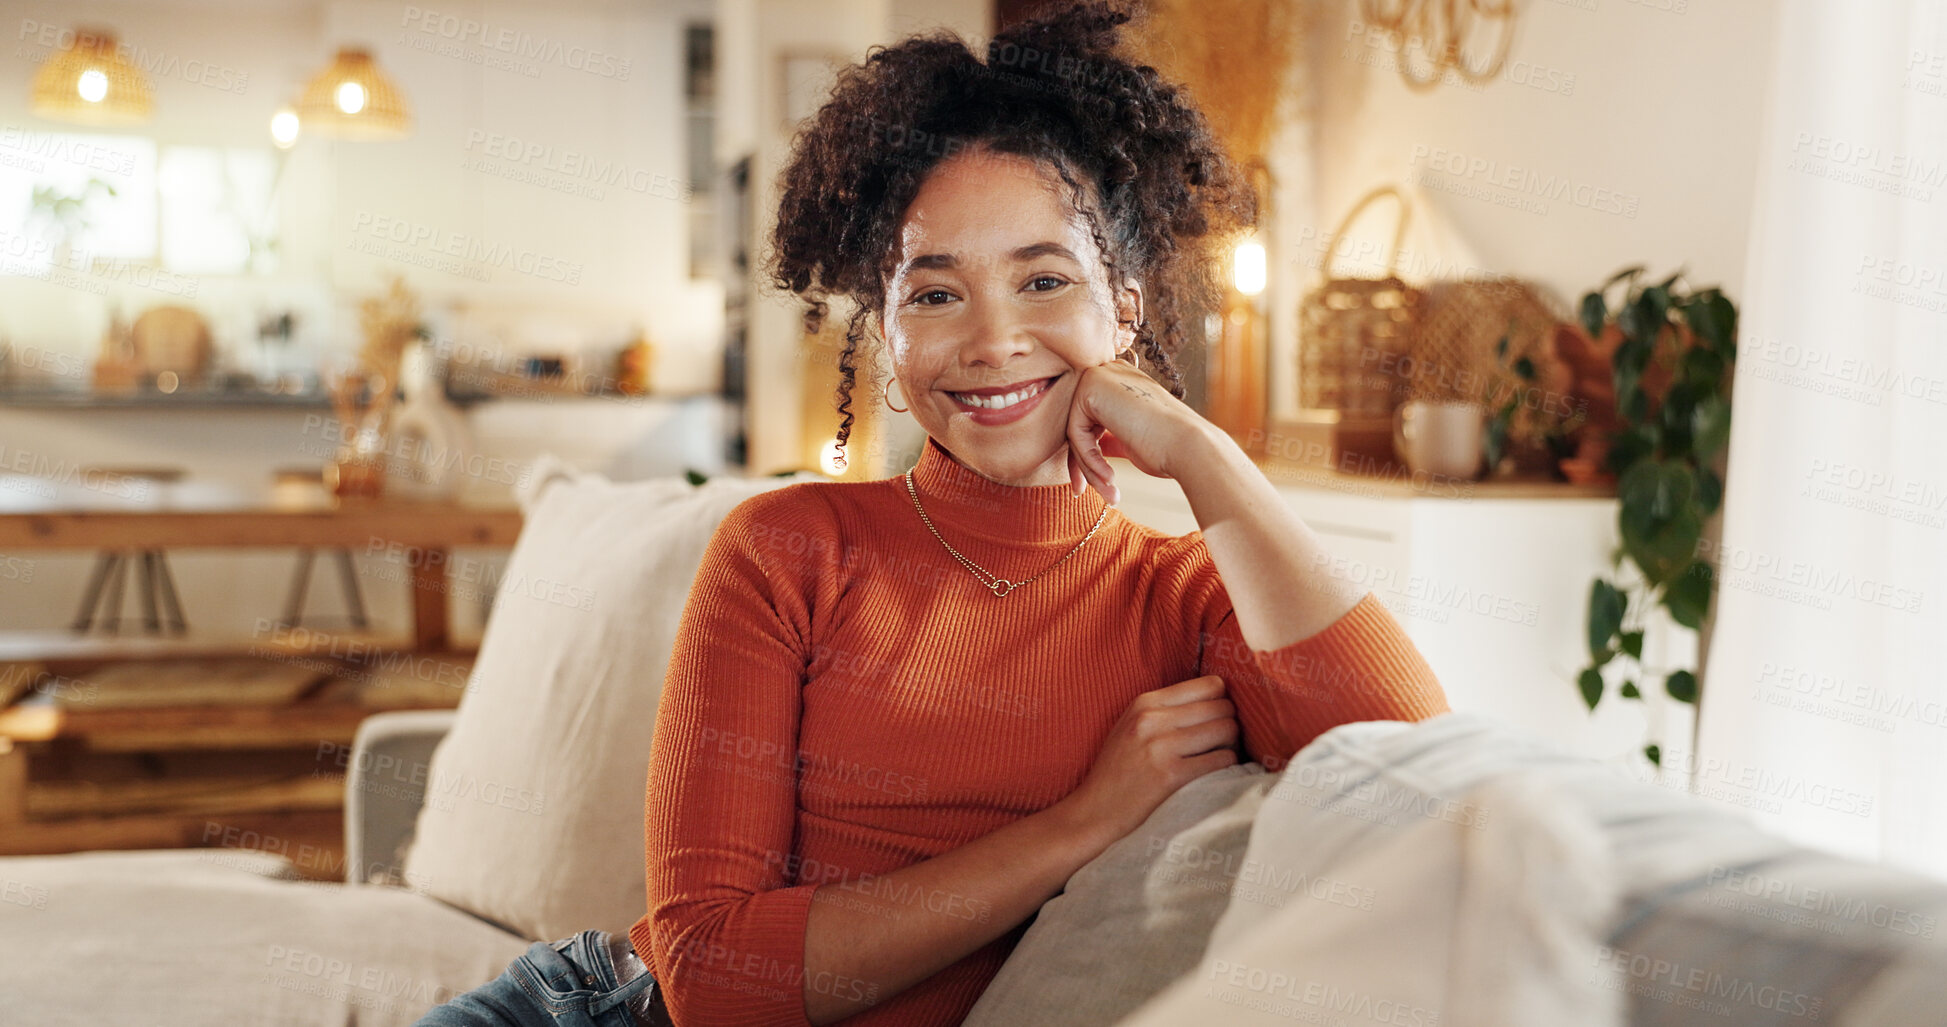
(1000,586)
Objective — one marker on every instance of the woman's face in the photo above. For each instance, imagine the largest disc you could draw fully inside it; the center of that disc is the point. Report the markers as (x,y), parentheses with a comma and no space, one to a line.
(998,289)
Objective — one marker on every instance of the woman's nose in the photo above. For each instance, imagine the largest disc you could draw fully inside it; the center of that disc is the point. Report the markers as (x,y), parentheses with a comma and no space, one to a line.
(994,337)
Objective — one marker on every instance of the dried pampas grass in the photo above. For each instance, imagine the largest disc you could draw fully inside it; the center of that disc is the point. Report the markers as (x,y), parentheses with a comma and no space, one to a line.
(1235,56)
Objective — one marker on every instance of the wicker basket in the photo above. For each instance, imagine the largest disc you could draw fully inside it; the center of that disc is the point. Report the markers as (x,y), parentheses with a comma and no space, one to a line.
(1355,333)
(1456,356)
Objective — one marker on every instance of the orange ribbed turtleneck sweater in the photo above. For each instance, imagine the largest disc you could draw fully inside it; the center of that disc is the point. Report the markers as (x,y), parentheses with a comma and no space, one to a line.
(845,698)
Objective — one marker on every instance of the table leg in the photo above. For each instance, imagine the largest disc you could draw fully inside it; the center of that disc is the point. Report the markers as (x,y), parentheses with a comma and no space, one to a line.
(105,562)
(429,601)
(172,607)
(348,581)
(13,781)
(300,581)
(145,584)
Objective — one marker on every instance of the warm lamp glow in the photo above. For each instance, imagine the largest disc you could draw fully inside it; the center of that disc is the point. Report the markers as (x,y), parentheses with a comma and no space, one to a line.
(284,128)
(828,458)
(91,83)
(1248,267)
(352,99)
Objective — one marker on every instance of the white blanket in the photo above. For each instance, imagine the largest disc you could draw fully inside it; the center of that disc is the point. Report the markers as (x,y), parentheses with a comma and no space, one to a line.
(1407,875)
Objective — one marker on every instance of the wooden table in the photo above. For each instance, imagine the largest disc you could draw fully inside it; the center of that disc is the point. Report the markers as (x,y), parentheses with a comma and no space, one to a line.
(75,511)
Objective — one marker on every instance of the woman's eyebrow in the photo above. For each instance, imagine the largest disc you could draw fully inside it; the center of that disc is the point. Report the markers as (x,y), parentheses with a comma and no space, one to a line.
(948,261)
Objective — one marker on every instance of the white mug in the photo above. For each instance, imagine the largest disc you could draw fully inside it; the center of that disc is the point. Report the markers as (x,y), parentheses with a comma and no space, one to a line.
(1440,438)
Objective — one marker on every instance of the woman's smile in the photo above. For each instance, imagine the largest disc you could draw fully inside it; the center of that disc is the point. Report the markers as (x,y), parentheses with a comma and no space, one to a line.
(1003,405)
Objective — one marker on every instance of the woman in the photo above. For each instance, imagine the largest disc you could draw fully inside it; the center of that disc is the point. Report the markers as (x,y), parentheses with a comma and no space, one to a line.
(901,713)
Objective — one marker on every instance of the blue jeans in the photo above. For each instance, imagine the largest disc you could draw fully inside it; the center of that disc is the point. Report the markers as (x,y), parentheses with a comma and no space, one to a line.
(566,983)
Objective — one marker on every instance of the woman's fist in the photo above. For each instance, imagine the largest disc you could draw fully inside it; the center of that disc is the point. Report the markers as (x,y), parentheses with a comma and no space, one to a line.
(1167,738)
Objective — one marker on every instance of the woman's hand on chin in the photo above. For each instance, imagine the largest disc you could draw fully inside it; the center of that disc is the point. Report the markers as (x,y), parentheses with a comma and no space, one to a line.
(1117,410)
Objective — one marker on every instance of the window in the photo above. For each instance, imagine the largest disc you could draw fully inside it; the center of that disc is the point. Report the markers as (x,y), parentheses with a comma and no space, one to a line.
(74,198)
(217,211)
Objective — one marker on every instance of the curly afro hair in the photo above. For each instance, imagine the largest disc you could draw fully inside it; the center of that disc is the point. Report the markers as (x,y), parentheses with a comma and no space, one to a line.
(1140,164)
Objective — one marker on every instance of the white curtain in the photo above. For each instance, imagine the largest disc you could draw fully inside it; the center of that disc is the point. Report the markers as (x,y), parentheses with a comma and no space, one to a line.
(1825,713)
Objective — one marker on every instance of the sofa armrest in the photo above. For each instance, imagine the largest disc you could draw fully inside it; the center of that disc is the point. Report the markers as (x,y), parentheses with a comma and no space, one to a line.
(385,785)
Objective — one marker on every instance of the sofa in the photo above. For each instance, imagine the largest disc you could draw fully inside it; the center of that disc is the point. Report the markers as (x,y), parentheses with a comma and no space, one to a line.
(1448,872)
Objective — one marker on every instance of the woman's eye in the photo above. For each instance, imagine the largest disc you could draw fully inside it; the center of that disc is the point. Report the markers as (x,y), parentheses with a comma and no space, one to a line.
(923,301)
(1054,283)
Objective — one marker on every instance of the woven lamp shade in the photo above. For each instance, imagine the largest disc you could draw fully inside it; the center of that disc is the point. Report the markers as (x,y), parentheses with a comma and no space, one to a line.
(380,111)
(92,67)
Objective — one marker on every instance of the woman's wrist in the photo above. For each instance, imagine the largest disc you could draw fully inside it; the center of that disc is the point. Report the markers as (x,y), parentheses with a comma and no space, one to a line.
(1199,443)
(1088,831)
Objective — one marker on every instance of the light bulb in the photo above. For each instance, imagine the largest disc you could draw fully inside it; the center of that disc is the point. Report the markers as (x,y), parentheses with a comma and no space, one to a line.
(92,85)
(351,97)
(1247,267)
(284,128)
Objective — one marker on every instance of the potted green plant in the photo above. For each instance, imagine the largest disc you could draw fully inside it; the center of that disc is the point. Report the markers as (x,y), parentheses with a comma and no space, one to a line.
(1672,350)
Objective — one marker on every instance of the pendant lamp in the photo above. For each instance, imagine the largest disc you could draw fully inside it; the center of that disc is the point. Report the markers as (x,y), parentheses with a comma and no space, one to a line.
(91,83)
(352,99)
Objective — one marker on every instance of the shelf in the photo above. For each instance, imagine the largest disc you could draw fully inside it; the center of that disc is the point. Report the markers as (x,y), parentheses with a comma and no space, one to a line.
(190,397)
(68,648)
(328,710)
(1404,486)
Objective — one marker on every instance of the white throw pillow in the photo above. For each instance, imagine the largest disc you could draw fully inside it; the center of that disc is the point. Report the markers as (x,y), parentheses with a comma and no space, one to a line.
(533,814)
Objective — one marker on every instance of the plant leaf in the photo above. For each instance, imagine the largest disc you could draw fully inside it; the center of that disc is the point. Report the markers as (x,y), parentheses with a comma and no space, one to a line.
(1632,643)
(1629,690)
(1682,686)
(1655,754)
(1655,302)
(1710,426)
(1629,447)
(1629,272)
(1679,403)
(1590,682)
(1660,525)
(1594,313)
(1688,595)
(1703,368)
(1710,490)
(1653,493)
(1636,406)
(1607,604)
(1714,319)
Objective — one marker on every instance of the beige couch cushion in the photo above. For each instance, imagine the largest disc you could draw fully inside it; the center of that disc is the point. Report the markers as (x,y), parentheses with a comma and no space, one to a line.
(533,814)
(215,936)
(1137,916)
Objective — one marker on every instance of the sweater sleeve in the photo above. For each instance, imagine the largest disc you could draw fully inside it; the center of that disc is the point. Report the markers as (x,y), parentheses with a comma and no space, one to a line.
(725,929)
(1360,667)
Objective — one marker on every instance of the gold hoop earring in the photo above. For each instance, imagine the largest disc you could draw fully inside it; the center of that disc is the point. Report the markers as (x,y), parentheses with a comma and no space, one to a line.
(1130,356)
(888,397)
